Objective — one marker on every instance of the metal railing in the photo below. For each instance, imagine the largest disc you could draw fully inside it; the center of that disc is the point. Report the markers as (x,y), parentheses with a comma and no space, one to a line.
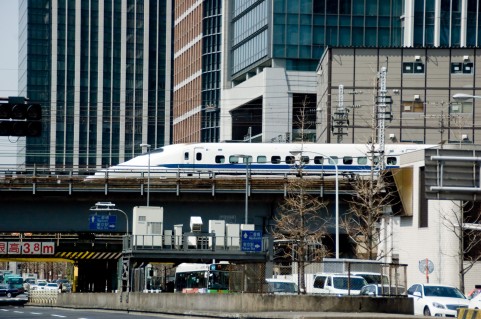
(187,241)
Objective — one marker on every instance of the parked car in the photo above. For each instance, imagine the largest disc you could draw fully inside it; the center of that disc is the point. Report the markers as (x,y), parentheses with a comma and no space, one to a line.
(437,300)
(8,291)
(41,283)
(473,293)
(281,286)
(475,302)
(338,284)
(52,286)
(65,285)
(372,277)
(377,290)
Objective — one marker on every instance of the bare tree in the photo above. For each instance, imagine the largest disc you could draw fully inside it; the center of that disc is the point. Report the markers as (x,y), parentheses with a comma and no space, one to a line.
(372,196)
(300,225)
(463,221)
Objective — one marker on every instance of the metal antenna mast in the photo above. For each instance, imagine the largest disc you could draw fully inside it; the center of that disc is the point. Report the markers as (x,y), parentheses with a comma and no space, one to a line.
(381,116)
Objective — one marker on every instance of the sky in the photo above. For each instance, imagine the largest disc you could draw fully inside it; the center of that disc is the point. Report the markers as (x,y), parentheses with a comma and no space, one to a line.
(9,48)
(10,147)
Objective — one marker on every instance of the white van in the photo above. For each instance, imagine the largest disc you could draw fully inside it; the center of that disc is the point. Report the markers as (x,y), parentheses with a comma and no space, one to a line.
(337,284)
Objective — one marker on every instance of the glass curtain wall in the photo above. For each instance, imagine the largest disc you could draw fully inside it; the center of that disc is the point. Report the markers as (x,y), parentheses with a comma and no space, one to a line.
(211,64)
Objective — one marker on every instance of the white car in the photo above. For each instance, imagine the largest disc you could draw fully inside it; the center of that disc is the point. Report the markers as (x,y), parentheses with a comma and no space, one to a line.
(475,302)
(52,286)
(437,300)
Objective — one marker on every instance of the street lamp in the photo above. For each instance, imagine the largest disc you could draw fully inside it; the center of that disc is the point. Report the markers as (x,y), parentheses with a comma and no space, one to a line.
(337,193)
(247,159)
(110,207)
(148,170)
(463,96)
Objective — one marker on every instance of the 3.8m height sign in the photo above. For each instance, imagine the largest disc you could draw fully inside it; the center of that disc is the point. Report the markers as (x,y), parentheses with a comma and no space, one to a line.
(27,248)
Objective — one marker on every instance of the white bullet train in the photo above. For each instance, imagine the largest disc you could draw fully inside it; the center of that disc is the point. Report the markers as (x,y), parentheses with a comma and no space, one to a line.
(208,159)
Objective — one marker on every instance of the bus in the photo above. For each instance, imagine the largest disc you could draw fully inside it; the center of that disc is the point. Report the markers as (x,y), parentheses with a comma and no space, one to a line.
(202,278)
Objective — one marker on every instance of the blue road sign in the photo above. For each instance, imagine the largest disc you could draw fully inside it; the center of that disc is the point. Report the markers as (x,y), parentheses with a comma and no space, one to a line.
(102,222)
(251,240)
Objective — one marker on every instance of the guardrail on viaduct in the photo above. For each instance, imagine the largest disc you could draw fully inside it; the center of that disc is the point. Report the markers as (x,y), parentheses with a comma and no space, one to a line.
(206,182)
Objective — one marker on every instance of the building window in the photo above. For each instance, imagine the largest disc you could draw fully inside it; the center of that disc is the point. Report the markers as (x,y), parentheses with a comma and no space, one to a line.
(413,67)
(462,68)
(461,107)
(412,107)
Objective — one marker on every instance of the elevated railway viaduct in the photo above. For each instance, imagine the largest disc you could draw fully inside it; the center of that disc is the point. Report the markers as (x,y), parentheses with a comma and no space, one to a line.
(55,208)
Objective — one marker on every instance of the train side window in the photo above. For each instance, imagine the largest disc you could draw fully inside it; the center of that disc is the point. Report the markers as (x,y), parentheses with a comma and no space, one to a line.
(347,160)
(305,159)
(247,159)
(333,160)
(275,159)
(234,159)
(186,156)
(220,159)
(261,159)
(375,160)
(391,160)
(362,160)
(198,156)
(318,160)
(290,160)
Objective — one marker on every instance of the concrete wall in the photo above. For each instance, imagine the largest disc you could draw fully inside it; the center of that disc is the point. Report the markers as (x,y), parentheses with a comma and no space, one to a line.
(236,303)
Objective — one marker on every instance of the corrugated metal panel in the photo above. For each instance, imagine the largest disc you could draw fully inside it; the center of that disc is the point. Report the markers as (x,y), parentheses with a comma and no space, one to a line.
(452,174)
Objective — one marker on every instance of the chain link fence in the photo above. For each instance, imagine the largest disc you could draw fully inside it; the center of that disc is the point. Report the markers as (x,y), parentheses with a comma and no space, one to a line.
(339,277)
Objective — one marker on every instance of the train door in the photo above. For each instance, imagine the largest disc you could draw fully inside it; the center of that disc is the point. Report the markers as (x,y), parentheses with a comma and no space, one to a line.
(192,158)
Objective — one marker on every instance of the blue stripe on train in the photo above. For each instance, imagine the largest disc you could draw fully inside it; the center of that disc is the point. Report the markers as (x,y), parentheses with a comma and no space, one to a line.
(283,167)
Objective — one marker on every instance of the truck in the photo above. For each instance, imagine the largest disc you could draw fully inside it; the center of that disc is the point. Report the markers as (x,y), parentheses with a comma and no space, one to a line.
(15,281)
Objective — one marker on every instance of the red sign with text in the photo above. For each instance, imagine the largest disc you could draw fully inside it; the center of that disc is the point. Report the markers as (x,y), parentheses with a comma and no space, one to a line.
(27,248)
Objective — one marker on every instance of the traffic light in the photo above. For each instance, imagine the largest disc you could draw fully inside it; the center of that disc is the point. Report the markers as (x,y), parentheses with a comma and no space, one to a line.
(20,119)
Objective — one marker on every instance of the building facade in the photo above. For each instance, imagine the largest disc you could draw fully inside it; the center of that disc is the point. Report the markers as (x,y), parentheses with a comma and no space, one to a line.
(99,68)
(196,77)
(421,86)
(273,49)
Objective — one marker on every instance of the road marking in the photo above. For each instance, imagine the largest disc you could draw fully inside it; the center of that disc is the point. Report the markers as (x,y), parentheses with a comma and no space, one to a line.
(36,313)
(17,311)
(60,316)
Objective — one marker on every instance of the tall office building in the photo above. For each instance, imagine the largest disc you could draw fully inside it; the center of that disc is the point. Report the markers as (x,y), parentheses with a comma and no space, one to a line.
(99,68)
(196,72)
